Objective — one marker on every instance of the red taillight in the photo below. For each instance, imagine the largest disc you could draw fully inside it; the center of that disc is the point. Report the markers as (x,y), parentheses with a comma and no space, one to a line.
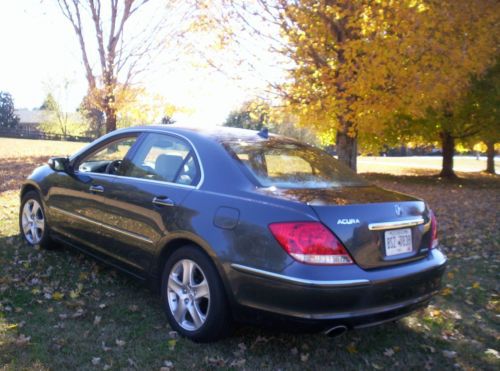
(310,242)
(434,231)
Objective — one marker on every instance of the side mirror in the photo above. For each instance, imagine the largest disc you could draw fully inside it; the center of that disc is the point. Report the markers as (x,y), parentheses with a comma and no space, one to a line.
(59,164)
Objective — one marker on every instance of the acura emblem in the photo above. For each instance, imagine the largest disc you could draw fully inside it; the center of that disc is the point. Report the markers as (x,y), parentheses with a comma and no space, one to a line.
(398,210)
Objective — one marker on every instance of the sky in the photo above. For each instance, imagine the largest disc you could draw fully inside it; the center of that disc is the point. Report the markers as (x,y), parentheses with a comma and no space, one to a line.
(40,51)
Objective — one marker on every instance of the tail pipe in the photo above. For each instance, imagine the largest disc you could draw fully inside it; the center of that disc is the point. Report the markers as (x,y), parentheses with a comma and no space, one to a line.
(335,331)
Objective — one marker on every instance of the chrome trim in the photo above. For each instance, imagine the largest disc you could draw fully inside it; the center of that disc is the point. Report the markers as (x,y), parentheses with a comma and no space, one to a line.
(198,157)
(163,201)
(80,217)
(96,188)
(395,224)
(300,281)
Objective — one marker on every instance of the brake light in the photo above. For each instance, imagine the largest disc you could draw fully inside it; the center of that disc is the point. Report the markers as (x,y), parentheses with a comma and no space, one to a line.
(434,232)
(310,242)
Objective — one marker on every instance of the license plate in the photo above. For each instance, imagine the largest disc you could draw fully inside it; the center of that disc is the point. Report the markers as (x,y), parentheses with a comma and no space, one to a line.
(398,242)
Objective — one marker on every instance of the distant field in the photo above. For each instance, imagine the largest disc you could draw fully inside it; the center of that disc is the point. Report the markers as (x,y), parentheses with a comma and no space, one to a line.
(18,148)
(414,165)
(42,149)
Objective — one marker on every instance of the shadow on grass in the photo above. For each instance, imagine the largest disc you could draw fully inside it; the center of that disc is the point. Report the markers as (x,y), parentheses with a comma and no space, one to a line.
(75,310)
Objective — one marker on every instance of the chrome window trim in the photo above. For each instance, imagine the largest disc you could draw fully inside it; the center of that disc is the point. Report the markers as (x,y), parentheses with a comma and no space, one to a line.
(80,217)
(395,224)
(165,132)
(300,281)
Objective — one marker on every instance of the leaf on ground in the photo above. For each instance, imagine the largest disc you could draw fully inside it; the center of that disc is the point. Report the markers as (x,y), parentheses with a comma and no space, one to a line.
(57,295)
(492,352)
(388,352)
(449,353)
(23,340)
(351,348)
(171,344)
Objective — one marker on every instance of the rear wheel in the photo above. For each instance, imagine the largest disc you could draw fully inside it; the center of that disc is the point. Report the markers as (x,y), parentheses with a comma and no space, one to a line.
(32,221)
(193,296)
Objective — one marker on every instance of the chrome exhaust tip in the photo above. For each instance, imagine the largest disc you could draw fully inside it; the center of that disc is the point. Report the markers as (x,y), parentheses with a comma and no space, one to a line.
(335,331)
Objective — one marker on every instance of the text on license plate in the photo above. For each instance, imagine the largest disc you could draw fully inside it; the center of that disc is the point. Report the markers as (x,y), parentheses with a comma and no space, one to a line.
(398,242)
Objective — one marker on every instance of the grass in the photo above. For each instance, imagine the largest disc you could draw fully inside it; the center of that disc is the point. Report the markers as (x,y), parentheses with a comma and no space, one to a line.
(61,310)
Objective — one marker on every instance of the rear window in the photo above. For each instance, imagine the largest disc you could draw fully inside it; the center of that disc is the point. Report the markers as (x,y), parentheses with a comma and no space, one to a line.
(288,164)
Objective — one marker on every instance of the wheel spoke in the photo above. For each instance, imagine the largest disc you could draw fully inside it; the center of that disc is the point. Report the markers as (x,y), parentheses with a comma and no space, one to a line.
(202,290)
(187,268)
(39,223)
(34,235)
(174,284)
(180,312)
(198,318)
(35,208)
(26,227)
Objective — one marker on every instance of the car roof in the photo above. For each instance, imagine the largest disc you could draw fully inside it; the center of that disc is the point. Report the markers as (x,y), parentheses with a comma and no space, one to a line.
(217,133)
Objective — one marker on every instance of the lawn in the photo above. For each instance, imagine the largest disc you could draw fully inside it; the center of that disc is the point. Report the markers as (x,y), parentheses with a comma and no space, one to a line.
(61,310)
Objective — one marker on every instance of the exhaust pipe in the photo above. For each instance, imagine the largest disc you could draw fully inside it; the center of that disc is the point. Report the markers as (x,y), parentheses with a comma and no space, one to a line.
(335,331)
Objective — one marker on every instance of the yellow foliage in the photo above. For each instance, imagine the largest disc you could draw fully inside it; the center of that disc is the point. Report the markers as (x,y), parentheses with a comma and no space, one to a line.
(356,64)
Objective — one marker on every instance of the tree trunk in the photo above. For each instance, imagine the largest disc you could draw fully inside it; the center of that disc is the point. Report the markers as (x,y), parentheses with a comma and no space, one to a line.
(347,149)
(448,148)
(490,153)
(110,119)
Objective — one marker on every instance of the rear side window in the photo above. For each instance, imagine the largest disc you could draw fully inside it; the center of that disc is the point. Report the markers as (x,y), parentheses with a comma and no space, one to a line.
(165,158)
(287,164)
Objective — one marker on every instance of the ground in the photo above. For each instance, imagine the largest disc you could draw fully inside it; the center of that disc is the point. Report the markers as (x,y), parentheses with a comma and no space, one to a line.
(61,310)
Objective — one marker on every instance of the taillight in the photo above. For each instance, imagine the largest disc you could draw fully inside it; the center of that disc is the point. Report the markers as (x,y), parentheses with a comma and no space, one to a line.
(310,242)
(434,231)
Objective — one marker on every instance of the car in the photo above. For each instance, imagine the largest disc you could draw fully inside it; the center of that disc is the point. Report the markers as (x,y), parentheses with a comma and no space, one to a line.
(234,225)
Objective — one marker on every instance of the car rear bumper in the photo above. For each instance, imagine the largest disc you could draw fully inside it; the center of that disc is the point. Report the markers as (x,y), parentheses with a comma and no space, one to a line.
(344,294)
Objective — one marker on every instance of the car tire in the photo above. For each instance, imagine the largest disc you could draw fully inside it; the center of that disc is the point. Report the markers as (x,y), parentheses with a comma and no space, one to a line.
(33,222)
(195,302)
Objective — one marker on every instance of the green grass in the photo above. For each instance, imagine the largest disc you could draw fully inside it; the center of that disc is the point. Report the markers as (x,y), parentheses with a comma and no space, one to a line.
(61,310)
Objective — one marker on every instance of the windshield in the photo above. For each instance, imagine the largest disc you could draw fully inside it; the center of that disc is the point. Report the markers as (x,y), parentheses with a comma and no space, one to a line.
(288,164)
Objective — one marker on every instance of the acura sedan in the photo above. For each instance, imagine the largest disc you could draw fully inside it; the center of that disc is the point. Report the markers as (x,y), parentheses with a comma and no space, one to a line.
(232,224)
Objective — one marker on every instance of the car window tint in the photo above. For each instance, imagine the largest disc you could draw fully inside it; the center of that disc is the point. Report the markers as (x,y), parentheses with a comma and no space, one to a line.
(163,157)
(288,164)
(97,161)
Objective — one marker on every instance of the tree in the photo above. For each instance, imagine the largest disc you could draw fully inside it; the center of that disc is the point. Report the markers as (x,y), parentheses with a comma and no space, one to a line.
(8,119)
(167,120)
(247,117)
(355,64)
(257,114)
(121,56)
(49,104)
(58,120)
(482,107)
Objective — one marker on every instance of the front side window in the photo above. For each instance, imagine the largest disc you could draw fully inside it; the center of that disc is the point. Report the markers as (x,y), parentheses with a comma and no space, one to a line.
(107,159)
(166,158)
(289,164)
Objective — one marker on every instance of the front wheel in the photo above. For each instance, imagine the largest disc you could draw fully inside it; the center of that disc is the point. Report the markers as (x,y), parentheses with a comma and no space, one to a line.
(193,296)
(32,221)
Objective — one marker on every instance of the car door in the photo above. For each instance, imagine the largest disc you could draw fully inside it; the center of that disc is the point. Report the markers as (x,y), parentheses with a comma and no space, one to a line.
(145,200)
(78,200)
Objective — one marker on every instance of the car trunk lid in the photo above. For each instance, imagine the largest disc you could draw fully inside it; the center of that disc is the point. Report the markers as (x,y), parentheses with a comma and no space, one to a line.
(378,227)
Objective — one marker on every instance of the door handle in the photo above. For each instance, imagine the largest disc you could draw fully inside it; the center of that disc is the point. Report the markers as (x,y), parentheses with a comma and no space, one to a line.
(96,188)
(163,201)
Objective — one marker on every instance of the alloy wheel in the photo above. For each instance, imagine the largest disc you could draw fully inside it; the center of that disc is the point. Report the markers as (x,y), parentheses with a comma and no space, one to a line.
(33,221)
(188,294)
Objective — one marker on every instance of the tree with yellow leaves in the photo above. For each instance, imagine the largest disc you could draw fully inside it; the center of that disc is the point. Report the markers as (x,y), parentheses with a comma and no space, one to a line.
(356,64)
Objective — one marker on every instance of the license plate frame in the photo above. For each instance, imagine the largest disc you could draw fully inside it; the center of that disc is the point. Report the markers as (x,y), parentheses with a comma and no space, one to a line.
(398,242)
